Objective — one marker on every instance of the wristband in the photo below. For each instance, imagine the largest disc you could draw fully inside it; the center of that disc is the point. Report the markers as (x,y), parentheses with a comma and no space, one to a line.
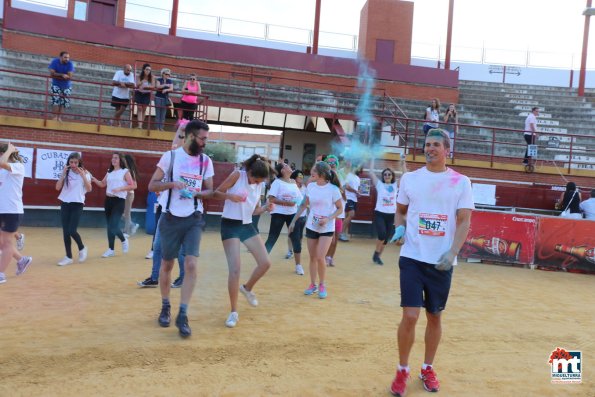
(181,136)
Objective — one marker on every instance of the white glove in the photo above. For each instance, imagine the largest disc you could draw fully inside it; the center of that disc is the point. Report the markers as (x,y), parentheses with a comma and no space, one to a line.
(446,261)
(399,233)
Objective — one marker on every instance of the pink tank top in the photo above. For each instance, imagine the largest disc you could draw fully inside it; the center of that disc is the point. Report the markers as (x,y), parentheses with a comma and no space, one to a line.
(192,88)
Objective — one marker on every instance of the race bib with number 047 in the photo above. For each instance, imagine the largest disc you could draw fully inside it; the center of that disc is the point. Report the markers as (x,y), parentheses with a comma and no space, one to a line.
(432,224)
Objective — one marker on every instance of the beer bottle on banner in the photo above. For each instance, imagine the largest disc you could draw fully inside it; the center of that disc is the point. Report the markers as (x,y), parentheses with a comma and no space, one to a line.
(584,253)
(496,246)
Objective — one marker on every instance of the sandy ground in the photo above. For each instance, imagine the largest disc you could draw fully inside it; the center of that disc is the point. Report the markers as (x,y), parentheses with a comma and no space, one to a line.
(87,329)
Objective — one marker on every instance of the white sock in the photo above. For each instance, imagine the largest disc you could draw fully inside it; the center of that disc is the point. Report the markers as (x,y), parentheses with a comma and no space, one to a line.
(401,367)
(425,366)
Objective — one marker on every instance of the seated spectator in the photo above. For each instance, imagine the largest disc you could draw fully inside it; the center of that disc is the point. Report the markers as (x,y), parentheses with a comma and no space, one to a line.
(189,101)
(61,70)
(569,202)
(588,207)
(122,81)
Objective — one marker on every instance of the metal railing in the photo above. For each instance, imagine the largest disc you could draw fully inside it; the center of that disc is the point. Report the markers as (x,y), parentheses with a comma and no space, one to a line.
(29,96)
(88,107)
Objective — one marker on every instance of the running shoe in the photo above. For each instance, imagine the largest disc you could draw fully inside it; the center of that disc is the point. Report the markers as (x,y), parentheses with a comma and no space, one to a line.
(133,229)
(299,270)
(182,324)
(399,385)
(250,296)
(165,316)
(232,320)
(328,260)
(65,261)
(148,283)
(2,278)
(312,289)
(23,264)
(429,379)
(322,293)
(83,255)
(343,237)
(109,253)
(376,259)
(21,242)
(289,254)
(177,283)
(149,255)
(125,246)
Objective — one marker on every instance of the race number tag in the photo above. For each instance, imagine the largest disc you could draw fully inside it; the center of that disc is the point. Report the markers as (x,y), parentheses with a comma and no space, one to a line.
(193,182)
(316,220)
(432,224)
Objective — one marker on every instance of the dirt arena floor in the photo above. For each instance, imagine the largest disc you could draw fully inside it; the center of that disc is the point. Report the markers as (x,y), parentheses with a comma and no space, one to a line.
(88,330)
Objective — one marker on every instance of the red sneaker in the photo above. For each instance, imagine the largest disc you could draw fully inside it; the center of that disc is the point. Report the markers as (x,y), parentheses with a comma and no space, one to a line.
(399,385)
(428,377)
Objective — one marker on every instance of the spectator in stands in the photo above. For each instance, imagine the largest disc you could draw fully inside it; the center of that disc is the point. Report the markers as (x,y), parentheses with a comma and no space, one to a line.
(122,81)
(189,101)
(452,119)
(588,207)
(530,131)
(432,115)
(142,96)
(164,86)
(569,202)
(61,70)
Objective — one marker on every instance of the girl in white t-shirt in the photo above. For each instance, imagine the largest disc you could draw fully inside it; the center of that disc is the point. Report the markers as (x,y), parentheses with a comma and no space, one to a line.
(323,197)
(73,184)
(386,206)
(12,175)
(241,192)
(130,228)
(300,223)
(117,182)
(333,162)
(286,196)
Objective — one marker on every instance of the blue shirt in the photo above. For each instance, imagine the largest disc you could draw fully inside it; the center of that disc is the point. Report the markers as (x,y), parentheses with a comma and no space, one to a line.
(61,68)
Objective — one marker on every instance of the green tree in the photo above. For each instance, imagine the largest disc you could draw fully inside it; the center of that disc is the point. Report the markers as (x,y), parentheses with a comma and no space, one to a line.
(221,152)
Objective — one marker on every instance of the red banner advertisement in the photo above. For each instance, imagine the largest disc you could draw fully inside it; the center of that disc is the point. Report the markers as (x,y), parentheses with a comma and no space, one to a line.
(566,244)
(501,237)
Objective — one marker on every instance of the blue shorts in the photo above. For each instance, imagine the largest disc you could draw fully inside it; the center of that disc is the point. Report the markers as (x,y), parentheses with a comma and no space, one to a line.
(234,228)
(422,285)
(9,223)
(350,205)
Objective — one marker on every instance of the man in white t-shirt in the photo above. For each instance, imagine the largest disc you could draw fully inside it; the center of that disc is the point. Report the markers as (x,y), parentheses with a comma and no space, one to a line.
(433,215)
(588,207)
(351,186)
(183,186)
(530,130)
(122,81)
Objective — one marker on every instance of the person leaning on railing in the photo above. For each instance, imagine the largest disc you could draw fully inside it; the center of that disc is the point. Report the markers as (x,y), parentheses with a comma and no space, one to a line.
(163,86)
(142,96)
(189,101)
(61,70)
(122,81)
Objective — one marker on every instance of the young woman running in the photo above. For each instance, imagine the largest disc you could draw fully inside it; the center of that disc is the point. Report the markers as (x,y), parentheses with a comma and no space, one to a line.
(12,175)
(323,196)
(241,192)
(386,206)
(118,181)
(333,162)
(286,196)
(73,184)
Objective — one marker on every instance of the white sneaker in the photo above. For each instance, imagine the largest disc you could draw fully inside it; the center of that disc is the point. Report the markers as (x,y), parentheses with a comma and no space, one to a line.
(232,320)
(2,278)
(149,255)
(289,254)
(83,255)
(250,297)
(65,261)
(299,269)
(133,229)
(126,235)
(125,246)
(21,242)
(108,254)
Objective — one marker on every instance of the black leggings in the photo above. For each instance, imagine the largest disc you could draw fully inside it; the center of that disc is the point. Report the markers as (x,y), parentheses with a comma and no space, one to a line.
(71,214)
(529,140)
(188,110)
(385,227)
(114,209)
(277,222)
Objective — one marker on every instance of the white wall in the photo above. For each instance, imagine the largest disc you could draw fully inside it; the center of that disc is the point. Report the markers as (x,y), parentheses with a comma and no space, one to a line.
(296,139)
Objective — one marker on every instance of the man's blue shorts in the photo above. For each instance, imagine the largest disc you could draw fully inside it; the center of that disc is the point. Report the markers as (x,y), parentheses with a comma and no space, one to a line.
(422,285)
